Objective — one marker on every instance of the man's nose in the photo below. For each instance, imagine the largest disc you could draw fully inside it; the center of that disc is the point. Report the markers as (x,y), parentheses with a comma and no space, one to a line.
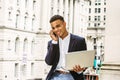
(55,29)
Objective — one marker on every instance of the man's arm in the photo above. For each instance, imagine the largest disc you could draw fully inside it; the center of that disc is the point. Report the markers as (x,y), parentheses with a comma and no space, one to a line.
(77,71)
(52,51)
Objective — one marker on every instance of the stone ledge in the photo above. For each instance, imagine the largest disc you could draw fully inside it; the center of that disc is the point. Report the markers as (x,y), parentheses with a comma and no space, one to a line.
(111,66)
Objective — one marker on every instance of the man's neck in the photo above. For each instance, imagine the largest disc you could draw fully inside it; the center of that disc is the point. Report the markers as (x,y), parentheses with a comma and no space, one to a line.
(66,34)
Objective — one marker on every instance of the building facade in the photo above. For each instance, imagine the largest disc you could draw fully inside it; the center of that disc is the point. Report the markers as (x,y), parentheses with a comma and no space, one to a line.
(19,21)
(24,33)
(111,66)
(96,27)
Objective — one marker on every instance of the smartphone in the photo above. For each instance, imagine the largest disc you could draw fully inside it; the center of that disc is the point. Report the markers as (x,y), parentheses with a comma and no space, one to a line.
(55,34)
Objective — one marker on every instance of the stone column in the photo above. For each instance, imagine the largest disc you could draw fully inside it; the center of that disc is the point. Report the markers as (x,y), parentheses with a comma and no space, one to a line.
(71,16)
(61,7)
(55,7)
(66,12)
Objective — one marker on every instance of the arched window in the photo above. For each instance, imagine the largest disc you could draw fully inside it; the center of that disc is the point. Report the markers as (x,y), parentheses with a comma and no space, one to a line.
(32,47)
(9,44)
(25,20)
(17,19)
(34,4)
(25,46)
(18,2)
(9,16)
(33,23)
(17,45)
(32,68)
(26,3)
(24,69)
(16,70)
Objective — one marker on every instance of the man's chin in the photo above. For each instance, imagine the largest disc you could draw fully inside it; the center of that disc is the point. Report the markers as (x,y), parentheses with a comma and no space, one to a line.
(58,35)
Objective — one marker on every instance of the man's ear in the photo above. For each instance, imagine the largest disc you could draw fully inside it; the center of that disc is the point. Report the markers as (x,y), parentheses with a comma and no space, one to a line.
(64,23)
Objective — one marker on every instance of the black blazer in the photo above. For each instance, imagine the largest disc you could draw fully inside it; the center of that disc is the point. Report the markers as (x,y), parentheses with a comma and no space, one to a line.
(76,44)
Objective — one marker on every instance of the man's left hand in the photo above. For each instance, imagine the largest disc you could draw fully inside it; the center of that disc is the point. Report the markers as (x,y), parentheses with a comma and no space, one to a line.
(77,68)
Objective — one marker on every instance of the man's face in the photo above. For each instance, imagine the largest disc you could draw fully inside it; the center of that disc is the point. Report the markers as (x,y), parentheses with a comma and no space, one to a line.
(59,28)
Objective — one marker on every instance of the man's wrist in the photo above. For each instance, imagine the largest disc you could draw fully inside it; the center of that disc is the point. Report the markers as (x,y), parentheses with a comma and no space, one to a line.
(54,42)
(80,72)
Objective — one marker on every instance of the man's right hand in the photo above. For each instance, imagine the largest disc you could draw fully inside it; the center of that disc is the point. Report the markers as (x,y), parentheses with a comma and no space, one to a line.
(53,36)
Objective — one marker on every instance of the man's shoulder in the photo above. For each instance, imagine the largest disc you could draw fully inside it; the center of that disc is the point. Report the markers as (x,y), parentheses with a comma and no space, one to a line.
(76,36)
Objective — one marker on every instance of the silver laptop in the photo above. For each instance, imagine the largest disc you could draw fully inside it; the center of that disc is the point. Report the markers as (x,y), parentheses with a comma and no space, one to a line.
(82,58)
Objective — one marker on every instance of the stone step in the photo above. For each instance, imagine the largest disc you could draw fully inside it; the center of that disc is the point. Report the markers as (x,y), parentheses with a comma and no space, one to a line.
(110,66)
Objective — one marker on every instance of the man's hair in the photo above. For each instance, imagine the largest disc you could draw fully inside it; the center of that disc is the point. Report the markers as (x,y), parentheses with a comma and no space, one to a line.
(56,17)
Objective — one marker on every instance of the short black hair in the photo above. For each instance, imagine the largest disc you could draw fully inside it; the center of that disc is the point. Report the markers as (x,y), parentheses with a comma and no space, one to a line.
(56,17)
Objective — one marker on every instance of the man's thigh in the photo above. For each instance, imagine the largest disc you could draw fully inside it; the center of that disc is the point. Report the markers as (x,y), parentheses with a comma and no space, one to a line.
(59,76)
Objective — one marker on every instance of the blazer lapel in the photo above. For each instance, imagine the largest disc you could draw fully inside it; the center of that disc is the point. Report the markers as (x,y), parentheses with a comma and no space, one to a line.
(71,44)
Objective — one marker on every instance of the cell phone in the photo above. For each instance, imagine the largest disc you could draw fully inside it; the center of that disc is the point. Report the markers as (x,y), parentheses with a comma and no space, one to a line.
(54,34)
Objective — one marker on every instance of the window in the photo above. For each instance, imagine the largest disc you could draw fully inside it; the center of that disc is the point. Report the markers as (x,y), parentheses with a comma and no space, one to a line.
(95,3)
(89,24)
(34,4)
(33,23)
(32,46)
(58,1)
(99,3)
(24,69)
(89,10)
(95,18)
(99,10)
(17,18)
(17,45)
(32,68)
(25,21)
(95,24)
(98,24)
(9,16)
(25,46)
(9,45)
(98,18)
(64,7)
(26,3)
(104,10)
(25,50)
(104,23)
(89,18)
(90,3)
(16,70)
(18,2)
(104,2)
(104,18)
(95,10)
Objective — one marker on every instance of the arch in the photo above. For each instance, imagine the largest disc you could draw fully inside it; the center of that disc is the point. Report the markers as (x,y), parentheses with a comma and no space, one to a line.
(25,46)
(17,45)
(32,46)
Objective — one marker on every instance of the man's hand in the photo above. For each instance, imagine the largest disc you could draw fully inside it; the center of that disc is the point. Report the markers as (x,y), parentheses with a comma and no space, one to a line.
(53,36)
(77,68)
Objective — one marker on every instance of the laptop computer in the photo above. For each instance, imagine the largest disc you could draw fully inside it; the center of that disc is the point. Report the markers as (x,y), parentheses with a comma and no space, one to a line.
(82,58)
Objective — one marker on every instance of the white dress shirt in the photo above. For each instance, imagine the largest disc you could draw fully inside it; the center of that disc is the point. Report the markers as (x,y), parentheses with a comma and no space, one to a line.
(63,45)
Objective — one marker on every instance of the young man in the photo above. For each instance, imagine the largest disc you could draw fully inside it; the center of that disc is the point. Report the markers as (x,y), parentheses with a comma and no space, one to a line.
(61,43)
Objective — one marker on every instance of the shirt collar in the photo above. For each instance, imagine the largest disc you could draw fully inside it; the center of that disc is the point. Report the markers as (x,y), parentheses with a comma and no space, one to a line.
(67,37)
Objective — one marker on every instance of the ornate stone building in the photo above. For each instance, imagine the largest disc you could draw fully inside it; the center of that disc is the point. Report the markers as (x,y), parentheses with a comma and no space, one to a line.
(24,28)
(96,27)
